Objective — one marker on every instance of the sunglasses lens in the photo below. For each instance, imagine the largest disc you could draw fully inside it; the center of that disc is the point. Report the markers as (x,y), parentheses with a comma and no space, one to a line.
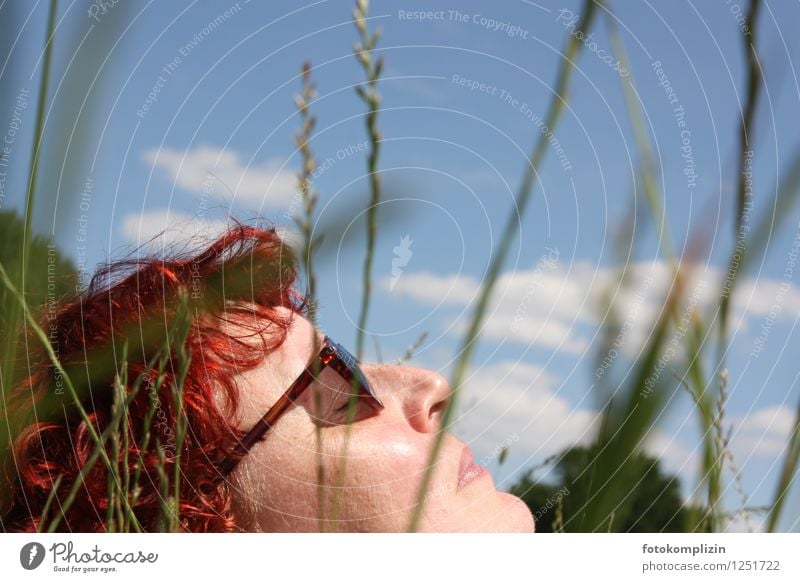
(367,387)
(351,363)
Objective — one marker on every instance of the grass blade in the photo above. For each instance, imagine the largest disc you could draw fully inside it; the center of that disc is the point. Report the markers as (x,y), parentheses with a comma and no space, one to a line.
(523,197)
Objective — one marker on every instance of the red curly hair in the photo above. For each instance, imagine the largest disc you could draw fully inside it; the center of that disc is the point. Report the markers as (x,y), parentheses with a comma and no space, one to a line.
(243,276)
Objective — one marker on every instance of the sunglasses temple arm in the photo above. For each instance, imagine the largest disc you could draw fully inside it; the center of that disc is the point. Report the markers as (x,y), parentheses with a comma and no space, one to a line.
(265,422)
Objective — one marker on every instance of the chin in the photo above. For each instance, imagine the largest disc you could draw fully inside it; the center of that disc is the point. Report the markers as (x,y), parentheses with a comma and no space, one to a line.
(518,516)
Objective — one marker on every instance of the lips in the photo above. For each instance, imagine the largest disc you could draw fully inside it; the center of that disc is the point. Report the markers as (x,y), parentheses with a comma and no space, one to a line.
(468,470)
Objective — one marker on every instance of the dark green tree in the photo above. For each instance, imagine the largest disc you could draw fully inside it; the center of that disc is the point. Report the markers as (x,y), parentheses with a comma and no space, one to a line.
(652,504)
(536,496)
(49,276)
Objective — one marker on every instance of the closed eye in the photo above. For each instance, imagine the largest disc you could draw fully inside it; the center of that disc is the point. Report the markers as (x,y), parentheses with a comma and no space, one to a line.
(347,395)
(335,394)
(343,407)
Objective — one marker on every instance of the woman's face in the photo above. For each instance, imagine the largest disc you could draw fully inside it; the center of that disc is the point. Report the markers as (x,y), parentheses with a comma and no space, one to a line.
(387,453)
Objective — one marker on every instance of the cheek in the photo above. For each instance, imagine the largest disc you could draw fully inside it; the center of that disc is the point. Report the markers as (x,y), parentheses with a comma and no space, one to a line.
(384,458)
(375,477)
(382,468)
(374,481)
(276,484)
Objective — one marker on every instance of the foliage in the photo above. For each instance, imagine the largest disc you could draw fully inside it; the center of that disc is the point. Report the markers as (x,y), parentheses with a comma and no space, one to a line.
(49,274)
(608,486)
(652,501)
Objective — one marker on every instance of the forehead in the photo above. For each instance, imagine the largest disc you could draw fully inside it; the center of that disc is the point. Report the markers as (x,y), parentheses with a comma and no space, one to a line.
(297,349)
(261,386)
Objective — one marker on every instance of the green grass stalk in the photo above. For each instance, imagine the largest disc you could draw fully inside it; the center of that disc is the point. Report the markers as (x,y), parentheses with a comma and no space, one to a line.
(754,84)
(372,68)
(126,474)
(13,314)
(647,169)
(42,337)
(305,223)
(50,498)
(410,350)
(166,519)
(183,357)
(555,110)
(119,505)
(790,463)
(147,422)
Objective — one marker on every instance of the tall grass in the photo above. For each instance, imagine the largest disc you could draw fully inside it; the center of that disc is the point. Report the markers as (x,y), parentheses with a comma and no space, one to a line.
(753,85)
(641,418)
(648,176)
(627,415)
(305,222)
(13,310)
(368,92)
(469,342)
(709,393)
(372,65)
(305,185)
(122,496)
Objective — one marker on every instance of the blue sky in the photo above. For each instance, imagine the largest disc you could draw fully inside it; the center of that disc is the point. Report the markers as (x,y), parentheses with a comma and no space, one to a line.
(192,119)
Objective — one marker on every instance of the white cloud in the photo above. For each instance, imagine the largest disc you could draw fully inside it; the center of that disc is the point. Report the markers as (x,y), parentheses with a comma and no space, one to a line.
(557,305)
(675,457)
(544,332)
(763,433)
(518,403)
(159,229)
(292,238)
(758,297)
(545,306)
(164,228)
(207,170)
(431,288)
(775,419)
(752,522)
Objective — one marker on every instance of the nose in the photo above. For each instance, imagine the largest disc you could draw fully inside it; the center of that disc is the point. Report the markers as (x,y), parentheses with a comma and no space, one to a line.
(419,394)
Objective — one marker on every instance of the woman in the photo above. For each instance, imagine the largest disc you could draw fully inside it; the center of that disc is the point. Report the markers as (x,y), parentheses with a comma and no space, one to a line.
(283,430)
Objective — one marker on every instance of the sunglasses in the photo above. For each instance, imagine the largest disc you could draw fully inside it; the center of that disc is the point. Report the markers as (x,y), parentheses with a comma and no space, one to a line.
(331,355)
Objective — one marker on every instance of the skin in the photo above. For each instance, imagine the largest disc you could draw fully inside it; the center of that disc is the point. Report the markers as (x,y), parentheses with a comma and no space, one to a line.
(276,483)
